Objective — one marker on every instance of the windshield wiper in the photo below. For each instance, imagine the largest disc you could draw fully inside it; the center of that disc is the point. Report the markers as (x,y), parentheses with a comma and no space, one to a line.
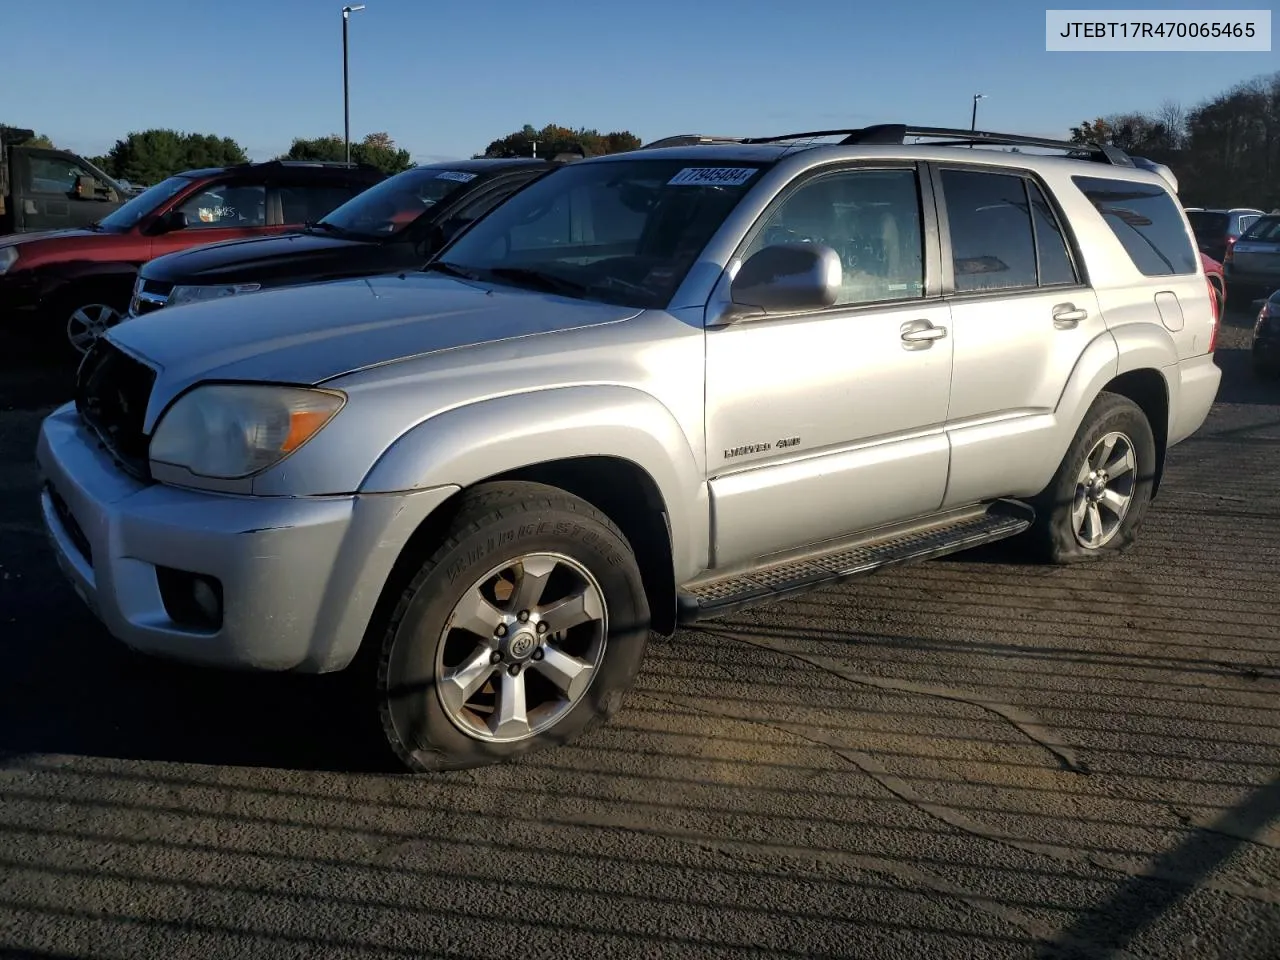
(321,225)
(440,266)
(96,226)
(549,282)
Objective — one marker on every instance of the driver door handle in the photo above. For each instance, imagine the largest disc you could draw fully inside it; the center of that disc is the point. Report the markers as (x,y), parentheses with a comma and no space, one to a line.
(1067,316)
(921,332)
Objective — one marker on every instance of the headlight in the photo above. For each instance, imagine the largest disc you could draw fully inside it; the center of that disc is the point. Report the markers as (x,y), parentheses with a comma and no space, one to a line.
(8,257)
(213,292)
(229,431)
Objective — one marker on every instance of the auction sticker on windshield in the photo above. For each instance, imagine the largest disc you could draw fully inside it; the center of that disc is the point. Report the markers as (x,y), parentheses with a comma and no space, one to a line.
(460,175)
(712,176)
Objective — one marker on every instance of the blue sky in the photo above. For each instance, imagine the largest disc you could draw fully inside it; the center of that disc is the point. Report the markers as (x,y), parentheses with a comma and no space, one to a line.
(446,78)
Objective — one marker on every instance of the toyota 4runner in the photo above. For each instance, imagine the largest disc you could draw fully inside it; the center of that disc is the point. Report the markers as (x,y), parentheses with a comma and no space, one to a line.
(650,388)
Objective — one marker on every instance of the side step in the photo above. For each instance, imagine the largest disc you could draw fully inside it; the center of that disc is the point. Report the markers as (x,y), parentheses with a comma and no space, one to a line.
(843,560)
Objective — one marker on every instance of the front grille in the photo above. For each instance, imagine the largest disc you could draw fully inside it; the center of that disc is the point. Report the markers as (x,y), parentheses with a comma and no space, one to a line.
(112,391)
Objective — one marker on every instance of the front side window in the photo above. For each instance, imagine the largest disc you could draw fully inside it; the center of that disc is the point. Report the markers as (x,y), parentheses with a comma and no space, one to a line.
(392,205)
(227,206)
(1147,221)
(145,203)
(871,218)
(993,245)
(617,231)
(54,174)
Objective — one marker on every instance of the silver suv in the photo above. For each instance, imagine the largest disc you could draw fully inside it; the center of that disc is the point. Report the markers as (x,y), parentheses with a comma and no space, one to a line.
(649,388)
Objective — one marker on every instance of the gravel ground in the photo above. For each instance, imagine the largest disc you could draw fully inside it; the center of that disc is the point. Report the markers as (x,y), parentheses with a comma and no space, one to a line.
(963,759)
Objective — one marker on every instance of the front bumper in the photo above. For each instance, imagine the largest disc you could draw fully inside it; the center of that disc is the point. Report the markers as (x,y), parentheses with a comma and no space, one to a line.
(299,576)
(21,291)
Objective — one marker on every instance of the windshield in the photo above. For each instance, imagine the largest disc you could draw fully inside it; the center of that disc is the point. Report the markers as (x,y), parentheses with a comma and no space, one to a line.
(393,204)
(1268,228)
(127,217)
(619,231)
(1206,225)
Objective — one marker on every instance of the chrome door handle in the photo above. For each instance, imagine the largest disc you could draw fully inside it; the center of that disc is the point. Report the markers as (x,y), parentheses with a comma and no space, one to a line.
(1067,316)
(922,331)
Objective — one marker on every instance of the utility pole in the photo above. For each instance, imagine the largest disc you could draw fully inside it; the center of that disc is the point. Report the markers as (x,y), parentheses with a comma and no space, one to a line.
(346,93)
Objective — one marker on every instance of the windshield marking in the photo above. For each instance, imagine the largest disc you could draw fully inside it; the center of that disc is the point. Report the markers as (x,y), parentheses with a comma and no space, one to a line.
(712,176)
(460,175)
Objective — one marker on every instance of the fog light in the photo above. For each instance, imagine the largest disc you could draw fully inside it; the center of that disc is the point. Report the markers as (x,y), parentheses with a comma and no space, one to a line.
(192,600)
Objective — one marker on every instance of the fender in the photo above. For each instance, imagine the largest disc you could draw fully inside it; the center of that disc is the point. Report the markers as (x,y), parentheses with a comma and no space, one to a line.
(57,277)
(1146,346)
(468,444)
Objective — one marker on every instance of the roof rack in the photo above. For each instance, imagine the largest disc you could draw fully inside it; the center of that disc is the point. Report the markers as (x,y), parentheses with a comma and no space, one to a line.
(283,163)
(897,133)
(689,139)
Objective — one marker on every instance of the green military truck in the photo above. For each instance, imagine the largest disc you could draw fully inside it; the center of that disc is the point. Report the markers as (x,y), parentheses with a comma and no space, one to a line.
(45,189)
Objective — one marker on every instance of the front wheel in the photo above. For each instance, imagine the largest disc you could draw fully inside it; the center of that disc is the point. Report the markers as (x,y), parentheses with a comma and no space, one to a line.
(1099,496)
(522,630)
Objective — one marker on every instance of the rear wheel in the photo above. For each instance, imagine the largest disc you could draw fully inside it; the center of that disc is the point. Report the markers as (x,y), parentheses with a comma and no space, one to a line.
(1099,496)
(522,630)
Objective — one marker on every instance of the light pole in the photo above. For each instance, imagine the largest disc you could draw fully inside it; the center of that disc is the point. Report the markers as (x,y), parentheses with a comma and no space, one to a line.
(346,96)
(973,122)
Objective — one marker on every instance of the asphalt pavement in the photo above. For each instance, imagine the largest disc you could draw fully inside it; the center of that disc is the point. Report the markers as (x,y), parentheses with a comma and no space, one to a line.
(969,758)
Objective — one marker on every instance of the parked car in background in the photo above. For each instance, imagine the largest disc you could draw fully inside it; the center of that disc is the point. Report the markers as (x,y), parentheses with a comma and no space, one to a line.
(46,189)
(1252,266)
(649,388)
(395,225)
(74,284)
(1266,339)
(1217,230)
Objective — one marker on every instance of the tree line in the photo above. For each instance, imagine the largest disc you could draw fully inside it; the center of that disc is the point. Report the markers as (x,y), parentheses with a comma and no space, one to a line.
(1224,151)
(148,156)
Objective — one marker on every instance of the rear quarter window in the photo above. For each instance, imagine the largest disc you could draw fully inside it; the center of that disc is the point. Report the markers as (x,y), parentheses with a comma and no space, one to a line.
(1268,228)
(1147,221)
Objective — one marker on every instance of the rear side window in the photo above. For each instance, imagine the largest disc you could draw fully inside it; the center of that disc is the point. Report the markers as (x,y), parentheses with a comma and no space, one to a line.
(307,203)
(1147,221)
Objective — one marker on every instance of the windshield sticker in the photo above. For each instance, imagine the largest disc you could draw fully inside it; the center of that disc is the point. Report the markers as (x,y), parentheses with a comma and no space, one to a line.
(459,175)
(712,177)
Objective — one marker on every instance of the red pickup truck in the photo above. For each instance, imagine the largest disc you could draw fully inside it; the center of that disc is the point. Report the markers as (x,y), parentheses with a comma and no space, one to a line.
(73,284)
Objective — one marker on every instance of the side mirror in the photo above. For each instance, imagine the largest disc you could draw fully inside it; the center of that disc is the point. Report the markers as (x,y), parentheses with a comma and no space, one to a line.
(171,221)
(86,188)
(786,277)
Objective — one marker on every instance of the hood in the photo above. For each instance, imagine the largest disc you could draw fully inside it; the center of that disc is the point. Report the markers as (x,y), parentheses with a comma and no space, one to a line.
(13,239)
(314,333)
(252,258)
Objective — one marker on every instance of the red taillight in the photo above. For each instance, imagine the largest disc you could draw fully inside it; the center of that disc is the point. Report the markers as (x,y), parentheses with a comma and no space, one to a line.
(1217,315)
(1231,249)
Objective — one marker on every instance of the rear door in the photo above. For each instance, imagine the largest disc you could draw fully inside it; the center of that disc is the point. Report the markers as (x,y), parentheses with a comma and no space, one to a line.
(1021,316)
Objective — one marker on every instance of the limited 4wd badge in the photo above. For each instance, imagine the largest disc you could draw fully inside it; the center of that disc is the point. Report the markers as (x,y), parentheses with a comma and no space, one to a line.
(742,451)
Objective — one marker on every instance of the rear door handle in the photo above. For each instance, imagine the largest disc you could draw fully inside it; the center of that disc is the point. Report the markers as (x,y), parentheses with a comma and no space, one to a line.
(1066,316)
(921,332)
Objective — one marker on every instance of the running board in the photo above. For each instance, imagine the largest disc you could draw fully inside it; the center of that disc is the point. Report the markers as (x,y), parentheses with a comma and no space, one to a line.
(843,560)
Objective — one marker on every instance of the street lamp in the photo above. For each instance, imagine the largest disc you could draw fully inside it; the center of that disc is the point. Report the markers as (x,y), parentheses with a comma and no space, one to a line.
(346,96)
(973,123)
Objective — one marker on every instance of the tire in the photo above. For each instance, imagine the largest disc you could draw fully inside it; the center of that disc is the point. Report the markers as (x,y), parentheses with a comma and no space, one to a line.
(505,529)
(1266,369)
(1053,538)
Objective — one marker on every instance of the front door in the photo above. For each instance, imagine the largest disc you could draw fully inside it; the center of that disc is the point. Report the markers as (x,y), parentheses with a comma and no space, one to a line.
(47,198)
(828,423)
(1021,317)
(223,210)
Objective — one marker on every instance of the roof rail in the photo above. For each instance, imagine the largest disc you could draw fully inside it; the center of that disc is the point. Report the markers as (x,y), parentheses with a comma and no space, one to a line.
(689,139)
(897,133)
(288,162)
